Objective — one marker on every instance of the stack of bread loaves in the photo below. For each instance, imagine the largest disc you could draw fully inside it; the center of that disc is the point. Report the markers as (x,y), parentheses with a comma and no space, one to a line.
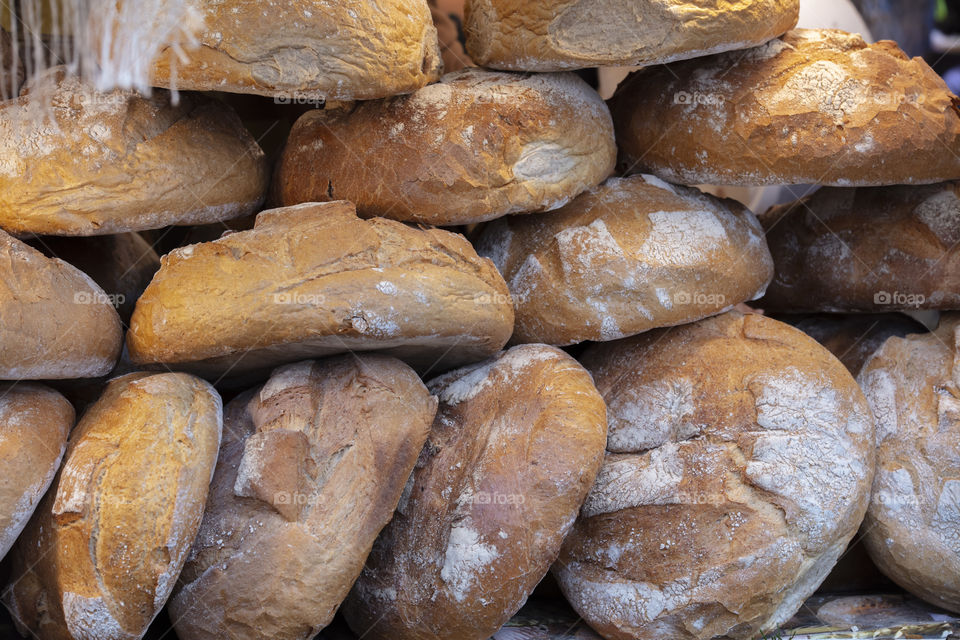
(389,304)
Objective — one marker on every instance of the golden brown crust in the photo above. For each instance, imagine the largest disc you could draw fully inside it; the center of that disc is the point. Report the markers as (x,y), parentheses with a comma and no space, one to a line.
(630,255)
(575,34)
(308,49)
(311,471)
(913,386)
(866,250)
(315,280)
(116,162)
(55,322)
(815,106)
(738,468)
(476,146)
(34,424)
(513,451)
(101,555)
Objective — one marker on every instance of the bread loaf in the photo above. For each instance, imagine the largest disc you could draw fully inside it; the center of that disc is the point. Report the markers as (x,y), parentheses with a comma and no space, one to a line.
(514,449)
(307,50)
(102,553)
(310,471)
(738,468)
(476,146)
(34,424)
(115,162)
(625,257)
(814,106)
(526,35)
(866,250)
(913,386)
(315,280)
(55,322)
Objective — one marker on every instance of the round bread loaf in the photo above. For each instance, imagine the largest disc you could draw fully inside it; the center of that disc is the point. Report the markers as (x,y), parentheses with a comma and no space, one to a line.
(868,249)
(738,468)
(55,322)
(533,35)
(913,524)
(101,555)
(304,51)
(476,146)
(115,162)
(815,106)
(310,471)
(315,280)
(628,256)
(514,449)
(34,424)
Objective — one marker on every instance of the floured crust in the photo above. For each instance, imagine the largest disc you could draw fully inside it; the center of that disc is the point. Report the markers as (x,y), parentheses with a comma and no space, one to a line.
(34,424)
(55,322)
(630,255)
(310,472)
(513,451)
(913,386)
(315,280)
(815,106)
(575,34)
(114,162)
(866,250)
(308,49)
(100,558)
(738,468)
(478,145)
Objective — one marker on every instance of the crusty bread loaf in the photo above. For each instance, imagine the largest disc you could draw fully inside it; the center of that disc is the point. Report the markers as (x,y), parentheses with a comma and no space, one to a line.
(738,468)
(515,447)
(114,162)
(478,145)
(533,35)
(101,555)
(448,19)
(34,424)
(913,386)
(316,461)
(307,50)
(315,280)
(854,338)
(815,106)
(869,249)
(630,255)
(55,322)
(121,264)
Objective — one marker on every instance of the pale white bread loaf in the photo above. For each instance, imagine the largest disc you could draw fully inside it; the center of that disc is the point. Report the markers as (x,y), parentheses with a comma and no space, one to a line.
(738,468)
(630,255)
(513,451)
(540,35)
(475,146)
(913,524)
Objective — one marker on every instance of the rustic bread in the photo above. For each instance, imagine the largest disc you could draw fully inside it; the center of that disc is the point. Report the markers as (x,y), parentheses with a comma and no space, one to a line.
(307,49)
(532,35)
(315,461)
(315,280)
(34,424)
(738,468)
(448,19)
(115,162)
(815,106)
(913,386)
(515,447)
(121,264)
(478,145)
(100,557)
(55,322)
(630,255)
(869,249)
